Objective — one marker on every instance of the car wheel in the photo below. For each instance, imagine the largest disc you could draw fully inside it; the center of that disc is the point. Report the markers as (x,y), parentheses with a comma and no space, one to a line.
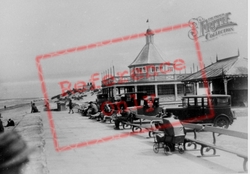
(221,122)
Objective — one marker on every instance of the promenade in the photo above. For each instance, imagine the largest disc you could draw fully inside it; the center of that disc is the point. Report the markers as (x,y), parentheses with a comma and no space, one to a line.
(130,154)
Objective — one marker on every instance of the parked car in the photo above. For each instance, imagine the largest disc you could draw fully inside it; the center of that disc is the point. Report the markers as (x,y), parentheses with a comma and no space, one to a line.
(140,103)
(136,103)
(100,98)
(214,109)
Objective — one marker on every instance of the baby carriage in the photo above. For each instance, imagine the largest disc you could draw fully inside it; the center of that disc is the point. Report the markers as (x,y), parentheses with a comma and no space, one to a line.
(171,138)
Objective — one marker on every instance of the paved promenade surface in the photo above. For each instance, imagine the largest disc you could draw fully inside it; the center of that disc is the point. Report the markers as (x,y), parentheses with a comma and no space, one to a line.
(132,154)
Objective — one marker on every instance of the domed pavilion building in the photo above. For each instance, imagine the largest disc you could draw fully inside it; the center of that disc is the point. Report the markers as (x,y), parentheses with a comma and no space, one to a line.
(148,72)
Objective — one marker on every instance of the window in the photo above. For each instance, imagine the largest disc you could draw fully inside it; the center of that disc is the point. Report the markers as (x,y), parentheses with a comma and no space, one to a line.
(180,89)
(165,89)
(157,69)
(170,69)
(189,89)
(222,101)
(191,102)
(185,102)
(148,89)
(153,69)
(199,101)
(201,85)
(205,101)
(208,101)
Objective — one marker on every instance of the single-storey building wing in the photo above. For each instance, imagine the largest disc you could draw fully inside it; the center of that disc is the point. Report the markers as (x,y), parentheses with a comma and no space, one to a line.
(225,76)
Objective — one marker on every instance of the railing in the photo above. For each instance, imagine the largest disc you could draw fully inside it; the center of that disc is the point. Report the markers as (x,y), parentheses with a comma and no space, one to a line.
(142,78)
(206,147)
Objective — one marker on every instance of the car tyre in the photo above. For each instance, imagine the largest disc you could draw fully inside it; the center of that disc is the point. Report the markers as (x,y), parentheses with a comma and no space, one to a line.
(221,121)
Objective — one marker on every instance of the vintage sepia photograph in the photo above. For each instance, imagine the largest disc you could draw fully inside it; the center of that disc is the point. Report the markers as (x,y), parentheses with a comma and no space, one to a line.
(105,86)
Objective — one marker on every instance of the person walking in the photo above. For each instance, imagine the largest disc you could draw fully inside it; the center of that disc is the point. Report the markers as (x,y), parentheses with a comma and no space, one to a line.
(71,106)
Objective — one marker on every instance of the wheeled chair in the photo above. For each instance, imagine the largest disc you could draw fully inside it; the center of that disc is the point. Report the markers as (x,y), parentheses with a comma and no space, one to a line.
(171,137)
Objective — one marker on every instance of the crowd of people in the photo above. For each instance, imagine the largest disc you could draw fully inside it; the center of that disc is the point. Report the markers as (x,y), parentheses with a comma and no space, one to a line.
(117,112)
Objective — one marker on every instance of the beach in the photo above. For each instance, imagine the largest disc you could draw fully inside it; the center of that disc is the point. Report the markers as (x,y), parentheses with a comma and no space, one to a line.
(30,127)
(120,155)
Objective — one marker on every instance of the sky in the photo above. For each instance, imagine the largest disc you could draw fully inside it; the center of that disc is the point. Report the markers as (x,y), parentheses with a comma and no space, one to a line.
(29,28)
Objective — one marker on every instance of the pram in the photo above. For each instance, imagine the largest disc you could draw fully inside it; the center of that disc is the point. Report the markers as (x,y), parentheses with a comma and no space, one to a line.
(171,138)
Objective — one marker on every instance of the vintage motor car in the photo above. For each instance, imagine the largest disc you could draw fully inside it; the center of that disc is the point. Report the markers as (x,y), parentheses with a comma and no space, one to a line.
(100,98)
(136,103)
(214,109)
(141,103)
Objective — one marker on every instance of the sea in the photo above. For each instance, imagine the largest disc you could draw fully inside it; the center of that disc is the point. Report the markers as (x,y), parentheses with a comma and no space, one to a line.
(17,102)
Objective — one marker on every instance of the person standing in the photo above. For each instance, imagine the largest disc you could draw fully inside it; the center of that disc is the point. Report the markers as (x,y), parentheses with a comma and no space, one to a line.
(70,106)
(1,125)
(31,105)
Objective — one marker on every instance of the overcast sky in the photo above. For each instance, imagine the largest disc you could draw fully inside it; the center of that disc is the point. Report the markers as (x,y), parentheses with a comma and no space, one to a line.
(36,27)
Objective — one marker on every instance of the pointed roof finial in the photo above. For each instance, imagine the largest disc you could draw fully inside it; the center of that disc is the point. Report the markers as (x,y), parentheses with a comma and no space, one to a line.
(148,22)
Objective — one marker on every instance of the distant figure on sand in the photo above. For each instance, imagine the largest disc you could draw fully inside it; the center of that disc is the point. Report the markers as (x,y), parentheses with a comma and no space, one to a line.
(10,123)
(34,108)
(70,106)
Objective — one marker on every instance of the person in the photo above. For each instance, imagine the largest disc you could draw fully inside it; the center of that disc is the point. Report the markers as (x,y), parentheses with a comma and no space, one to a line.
(92,109)
(71,106)
(168,123)
(10,123)
(34,108)
(14,153)
(106,112)
(1,125)
(125,113)
(31,104)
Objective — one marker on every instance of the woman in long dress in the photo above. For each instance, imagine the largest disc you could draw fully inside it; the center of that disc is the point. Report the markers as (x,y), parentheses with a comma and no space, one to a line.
(71,106)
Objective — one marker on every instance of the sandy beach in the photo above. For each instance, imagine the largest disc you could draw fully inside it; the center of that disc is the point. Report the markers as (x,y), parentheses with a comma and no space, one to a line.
(30,127)
(35,130)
